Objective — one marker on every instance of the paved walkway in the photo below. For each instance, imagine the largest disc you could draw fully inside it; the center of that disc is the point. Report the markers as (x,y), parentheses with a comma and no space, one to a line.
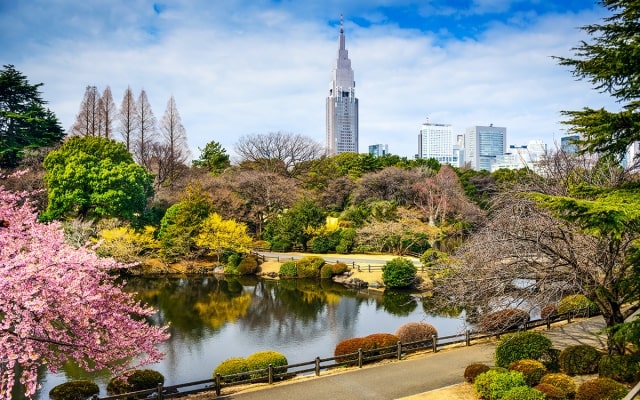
(413,376)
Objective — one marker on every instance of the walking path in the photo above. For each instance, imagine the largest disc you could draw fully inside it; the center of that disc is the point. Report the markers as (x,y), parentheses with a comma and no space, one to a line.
(414,377)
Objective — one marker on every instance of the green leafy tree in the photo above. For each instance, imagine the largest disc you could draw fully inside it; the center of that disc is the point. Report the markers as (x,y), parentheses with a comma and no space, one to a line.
(609,63)
(95,177)
(297,225)
(24,122)
(399,273)
(213,158)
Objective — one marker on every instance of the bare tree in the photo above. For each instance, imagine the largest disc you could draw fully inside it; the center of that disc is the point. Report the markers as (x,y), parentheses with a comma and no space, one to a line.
(391,183)
(175,151)
(128,121)
(106,113)
(145,134)
(277,152)
(88,120)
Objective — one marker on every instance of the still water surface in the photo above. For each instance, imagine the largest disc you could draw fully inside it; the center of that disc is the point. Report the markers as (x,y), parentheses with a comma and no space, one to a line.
(215,318)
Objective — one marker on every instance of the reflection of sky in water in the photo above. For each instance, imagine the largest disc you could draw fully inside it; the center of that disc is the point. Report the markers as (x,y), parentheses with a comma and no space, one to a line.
(190,357)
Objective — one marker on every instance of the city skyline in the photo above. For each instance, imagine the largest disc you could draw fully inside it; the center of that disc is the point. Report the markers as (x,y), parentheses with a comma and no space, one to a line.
(253,67)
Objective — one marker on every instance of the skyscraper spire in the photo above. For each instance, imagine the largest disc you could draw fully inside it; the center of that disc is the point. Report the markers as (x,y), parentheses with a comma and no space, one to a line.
(342,104)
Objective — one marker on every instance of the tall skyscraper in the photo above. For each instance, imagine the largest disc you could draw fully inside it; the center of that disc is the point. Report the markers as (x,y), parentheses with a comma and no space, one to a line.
(342,105)
(434,141)
(482,144)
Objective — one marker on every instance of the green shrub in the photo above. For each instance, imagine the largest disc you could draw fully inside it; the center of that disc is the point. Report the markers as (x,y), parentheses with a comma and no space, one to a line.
(344,351)
(549,310)
(398,273)
(576,302)
(139,379)
(261,360)
(321,245)
(248,265)
(493,385)
(415,331)
(532,370)
(74,390)
(473,370)
(520,346)
(601,389)
(288,270)
(279,244)
(621,368)
(579,360)
(552,392)
(524,393)
(326,272)
(232,366)
(309,267)
(551,360)
(503,320)
(562,382)
(340,268)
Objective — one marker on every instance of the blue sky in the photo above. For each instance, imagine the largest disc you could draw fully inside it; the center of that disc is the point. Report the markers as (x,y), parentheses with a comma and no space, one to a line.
(240,67)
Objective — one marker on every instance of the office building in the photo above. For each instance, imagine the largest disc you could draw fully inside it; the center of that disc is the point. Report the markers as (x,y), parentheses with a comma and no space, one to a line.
(434,141)
(342,105)
(482,144)
(378,150)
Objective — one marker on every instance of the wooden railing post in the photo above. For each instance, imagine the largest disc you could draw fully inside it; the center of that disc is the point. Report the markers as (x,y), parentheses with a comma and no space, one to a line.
(369,267)
(159,391)
(270,374)
(467,337)
(360,357)
(569,317)
(548,323)
(434,343)
(317,366)
(399,350)
(218,385)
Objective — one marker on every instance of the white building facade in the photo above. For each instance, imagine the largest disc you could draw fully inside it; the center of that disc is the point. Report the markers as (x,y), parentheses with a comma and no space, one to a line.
(342,105)
(435,141)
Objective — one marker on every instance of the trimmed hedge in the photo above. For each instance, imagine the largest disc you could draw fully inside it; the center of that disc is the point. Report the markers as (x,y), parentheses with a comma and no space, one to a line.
(288,270)
(621,368)
(350,346)
(579,360)
(139,379)
(503,320)
(532,370)
(74,390)
(260,360)
(520,346)
(248,265)
(415,331)
(340,268)
(562,382)
(524,393)
(473,370)
(552,392)
(576,302)
(601,388)
(309,266)
(493,385)
(398,273)
(232,366)
(326,272)
(383,339)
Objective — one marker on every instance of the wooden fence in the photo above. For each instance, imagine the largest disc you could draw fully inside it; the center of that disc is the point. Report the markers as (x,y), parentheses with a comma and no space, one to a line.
(274,374)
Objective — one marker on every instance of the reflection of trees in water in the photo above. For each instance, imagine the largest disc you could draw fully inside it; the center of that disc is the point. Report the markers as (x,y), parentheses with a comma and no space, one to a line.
(398,302)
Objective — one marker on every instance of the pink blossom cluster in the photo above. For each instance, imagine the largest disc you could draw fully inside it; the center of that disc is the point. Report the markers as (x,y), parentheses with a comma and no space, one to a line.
(59,303)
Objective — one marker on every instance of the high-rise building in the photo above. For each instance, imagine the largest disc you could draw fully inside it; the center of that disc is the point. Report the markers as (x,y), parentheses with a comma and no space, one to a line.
(434,141)
(482,144)
(342,105)
(378,150)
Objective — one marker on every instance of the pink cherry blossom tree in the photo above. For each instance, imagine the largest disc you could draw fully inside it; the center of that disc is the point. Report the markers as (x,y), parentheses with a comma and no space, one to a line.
(59,303)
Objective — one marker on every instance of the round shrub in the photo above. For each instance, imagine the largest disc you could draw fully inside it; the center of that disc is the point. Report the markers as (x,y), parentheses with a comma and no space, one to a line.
(288,270)
(549,310)
(503,320)
(248,265)
(139,379)
(340,268)
(552,392)
(473,370)
(398,273)
(261,360)
(520,346)
(523,393)
(74,390)
(532,370)
(621,368)
(576,302)
(309,266)
(550,360)
(345,349)
(493,385)
(415,331)
(560,381)
(320,245)
(326,272)
(232,366)
(601,388)
(579,360)
(382,340)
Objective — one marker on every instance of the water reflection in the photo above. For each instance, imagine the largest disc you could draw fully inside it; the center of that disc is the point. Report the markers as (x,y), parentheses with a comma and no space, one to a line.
(214,318)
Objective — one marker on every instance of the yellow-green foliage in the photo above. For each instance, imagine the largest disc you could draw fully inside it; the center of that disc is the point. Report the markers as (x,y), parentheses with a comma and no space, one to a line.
(523,393)
(261,361)
(74,390)
(579,360)
(601,388)
(232,366)
(309,266)
(493,384)
(339,268)
(326,272)
(562,382)
(552,392)
(520,346)
(219,235)
(127,245)
(575,302)
(621,368)
(288,270)
(532,370)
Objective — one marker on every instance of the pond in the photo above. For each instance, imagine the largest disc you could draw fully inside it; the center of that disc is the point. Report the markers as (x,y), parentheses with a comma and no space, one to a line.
(215,318)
